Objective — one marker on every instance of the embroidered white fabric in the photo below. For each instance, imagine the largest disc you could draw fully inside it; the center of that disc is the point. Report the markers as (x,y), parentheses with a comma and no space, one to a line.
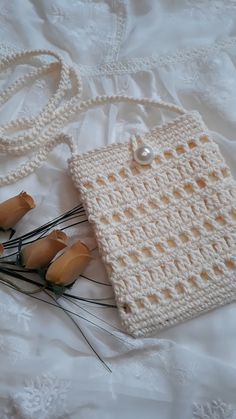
(183,52)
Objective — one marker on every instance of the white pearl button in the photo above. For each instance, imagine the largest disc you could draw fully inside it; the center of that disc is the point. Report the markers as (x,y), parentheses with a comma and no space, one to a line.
(144,155)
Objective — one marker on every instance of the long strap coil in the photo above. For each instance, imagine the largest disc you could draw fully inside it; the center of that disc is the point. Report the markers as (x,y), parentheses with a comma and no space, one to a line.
(44,132)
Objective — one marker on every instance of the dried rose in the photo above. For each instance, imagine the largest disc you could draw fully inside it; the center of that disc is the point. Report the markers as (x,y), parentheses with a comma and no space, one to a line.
(12,210)
(1,249)
(69,266)
(40,253)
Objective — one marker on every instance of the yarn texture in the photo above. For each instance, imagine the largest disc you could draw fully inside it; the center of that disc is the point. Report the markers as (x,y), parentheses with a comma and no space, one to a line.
(165,231)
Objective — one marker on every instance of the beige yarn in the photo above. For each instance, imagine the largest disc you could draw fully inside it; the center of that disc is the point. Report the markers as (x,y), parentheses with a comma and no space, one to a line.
(166,232)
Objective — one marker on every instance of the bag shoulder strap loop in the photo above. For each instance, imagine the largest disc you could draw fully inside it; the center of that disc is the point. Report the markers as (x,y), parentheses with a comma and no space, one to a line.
(44,131)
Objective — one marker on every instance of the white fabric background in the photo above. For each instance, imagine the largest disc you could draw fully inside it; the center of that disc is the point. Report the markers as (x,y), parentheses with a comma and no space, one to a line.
(183,52)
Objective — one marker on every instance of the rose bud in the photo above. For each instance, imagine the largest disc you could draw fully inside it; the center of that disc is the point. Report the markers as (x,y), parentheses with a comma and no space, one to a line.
(12,210)
(69,266)
(40,253)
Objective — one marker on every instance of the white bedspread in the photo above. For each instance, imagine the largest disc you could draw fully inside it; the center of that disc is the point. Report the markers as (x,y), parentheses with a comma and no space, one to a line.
(183,52)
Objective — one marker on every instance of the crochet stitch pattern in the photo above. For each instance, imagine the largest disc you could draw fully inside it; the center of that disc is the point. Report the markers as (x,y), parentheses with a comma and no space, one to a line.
(165,231)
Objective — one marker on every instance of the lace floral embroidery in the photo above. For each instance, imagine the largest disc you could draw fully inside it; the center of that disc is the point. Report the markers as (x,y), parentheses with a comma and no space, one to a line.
(207,79)
(180,375)
(43,398)
(82,19)
(17,314)
(216,409)
(36,94)
(100,25)
(13,348)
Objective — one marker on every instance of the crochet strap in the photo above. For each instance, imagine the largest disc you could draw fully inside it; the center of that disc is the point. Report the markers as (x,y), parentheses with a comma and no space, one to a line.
(44,131)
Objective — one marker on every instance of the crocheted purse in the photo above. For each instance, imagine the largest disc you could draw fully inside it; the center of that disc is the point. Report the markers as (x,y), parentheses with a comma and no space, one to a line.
(163,209)
(165,229)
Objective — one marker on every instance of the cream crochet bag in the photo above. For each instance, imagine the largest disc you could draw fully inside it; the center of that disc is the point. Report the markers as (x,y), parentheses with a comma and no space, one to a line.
(163,209)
